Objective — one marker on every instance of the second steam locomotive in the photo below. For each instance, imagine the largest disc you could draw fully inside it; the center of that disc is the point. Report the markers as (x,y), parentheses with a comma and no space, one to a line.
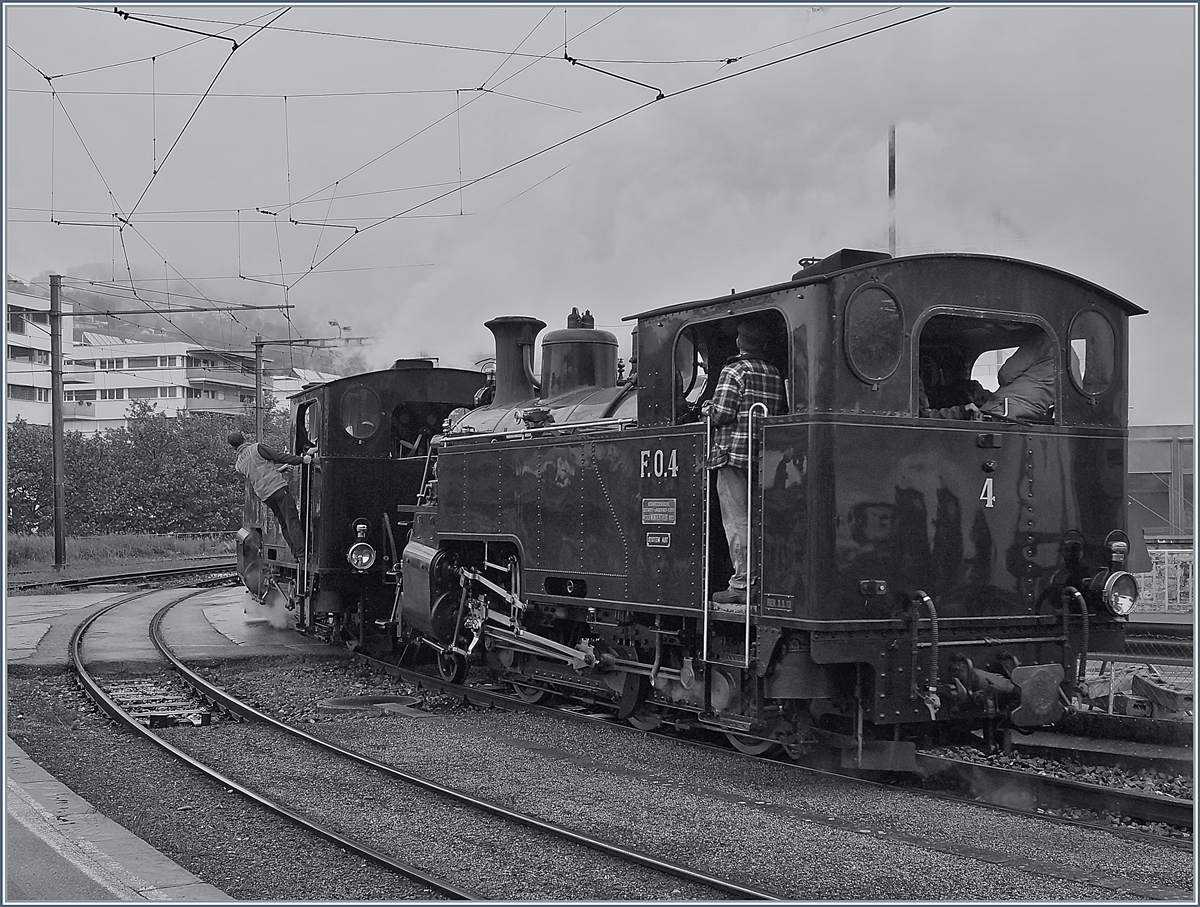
(911,574)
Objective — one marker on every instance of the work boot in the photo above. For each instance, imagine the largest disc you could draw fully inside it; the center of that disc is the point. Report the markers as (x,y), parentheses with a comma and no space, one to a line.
(730,597)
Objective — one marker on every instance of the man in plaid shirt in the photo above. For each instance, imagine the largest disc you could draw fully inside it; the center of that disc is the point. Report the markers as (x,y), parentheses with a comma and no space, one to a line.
(745,380)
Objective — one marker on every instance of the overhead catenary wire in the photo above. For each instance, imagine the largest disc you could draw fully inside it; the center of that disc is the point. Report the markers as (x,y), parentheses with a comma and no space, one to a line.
(621,116)
(683,61)
(509,53)
(461,184)
(125,218)
(192,117)
(457,112)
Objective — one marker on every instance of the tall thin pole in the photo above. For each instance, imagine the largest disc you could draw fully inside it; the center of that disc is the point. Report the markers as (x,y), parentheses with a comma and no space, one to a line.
(258,387)
(56,423)
(892,191)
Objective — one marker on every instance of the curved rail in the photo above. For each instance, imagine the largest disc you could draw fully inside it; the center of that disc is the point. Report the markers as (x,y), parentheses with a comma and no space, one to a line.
(131,576)
(217,695)
(110,706)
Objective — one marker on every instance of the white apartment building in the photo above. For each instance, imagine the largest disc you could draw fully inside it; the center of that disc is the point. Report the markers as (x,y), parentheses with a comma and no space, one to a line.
(175,375)
(103,374)
(27,362)
(27,354)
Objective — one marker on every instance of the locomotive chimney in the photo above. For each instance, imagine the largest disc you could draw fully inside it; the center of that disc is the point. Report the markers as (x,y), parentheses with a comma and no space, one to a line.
(514,335)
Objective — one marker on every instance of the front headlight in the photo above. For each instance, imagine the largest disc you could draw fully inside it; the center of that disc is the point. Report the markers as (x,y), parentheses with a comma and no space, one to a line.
(361,556)
(1120,592)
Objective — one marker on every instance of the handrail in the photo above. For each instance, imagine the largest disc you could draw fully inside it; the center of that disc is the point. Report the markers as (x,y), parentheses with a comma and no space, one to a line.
(757,407)
(762,408)
(307,480)
(707,531)
(521,433)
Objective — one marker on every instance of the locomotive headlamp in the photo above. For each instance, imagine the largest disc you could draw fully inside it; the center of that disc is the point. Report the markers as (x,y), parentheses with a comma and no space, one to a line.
(1117,546)
(1118,589)
(361,556)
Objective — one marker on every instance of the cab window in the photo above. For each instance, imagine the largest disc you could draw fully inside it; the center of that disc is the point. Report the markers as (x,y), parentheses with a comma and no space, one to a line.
(414,425)
(307,421)
(874,333)
(1093,360)
(703,348)
(986,367)
(361,412)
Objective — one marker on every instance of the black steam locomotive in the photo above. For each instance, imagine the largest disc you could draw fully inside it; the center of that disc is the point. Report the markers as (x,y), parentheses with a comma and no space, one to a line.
(911,573)
(372,435)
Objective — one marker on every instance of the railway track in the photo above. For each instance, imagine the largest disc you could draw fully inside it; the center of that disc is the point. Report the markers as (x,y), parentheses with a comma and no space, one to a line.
(223,572)
(995,785)
(266,737)
(998,787)
(544,759)
(1041,793)
(129,718)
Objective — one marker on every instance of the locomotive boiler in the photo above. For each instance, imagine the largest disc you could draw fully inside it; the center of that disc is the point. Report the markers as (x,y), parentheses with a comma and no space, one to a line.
(912,574)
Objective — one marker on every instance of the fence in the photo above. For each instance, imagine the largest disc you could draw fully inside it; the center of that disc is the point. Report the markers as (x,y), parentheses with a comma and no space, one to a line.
(1167,587)
(1154,677)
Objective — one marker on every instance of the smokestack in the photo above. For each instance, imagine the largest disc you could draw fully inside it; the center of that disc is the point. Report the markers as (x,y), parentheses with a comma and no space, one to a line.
(514,335)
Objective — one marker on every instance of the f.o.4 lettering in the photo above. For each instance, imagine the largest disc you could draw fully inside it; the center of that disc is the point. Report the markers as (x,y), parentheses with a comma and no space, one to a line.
(660,463)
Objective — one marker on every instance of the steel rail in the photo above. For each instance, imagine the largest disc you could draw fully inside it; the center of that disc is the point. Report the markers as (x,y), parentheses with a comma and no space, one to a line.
(104,579)
(1049,792)
(225,700)
(98,694)
(1128,803)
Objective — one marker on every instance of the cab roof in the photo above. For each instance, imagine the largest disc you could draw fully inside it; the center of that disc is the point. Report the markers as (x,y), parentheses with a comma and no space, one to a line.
(847,260)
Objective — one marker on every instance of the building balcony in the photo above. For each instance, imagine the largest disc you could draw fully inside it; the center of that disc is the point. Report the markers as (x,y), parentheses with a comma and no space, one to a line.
(225,377)
(78,374)
(202,405)
(79,410)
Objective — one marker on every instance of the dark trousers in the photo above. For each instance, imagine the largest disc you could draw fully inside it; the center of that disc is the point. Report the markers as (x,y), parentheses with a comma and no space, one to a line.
(283,505)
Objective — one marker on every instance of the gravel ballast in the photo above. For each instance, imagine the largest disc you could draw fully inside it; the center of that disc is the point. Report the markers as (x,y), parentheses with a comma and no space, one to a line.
(804,835)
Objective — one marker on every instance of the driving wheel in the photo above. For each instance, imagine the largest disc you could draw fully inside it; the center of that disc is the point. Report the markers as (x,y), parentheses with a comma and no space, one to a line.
(751,746)
(532,695)
(452,667)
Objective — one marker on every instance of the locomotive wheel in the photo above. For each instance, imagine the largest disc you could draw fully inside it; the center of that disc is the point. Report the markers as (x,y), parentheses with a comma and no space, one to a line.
(645,720)
(452,667)
(532,695)
(751,746)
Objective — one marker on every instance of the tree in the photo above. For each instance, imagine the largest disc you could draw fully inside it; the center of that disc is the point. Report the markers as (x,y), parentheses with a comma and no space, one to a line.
(158,474)
(29,480)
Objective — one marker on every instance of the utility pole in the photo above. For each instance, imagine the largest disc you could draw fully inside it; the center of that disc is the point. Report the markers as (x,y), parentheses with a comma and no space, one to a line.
(258,387)
(56,423)
(892,190)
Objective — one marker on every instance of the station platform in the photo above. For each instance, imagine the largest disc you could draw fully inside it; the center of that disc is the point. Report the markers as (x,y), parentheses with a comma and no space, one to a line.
(58,847)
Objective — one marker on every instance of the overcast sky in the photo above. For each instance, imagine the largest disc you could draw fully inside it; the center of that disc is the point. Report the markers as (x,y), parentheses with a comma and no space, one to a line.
(414,171)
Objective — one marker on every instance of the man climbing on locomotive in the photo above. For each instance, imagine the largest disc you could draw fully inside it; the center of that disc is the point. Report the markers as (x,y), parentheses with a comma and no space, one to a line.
(257,462)
(746,379)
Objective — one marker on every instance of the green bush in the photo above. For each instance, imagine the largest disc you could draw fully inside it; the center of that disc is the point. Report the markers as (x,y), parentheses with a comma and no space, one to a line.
(160,474)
